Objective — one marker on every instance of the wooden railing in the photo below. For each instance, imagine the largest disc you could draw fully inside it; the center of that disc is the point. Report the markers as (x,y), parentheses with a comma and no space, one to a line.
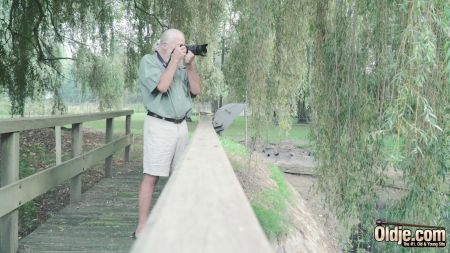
(15,193)
(203,207)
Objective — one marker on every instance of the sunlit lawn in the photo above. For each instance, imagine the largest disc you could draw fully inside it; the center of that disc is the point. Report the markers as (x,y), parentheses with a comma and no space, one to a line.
(298,134)
(137,124)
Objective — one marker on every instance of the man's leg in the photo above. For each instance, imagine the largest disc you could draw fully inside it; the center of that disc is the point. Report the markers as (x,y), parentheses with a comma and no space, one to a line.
(145,199)
(180,149)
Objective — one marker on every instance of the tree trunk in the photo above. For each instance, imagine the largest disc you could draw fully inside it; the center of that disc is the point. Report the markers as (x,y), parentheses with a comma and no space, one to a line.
(214,106)
(302,112)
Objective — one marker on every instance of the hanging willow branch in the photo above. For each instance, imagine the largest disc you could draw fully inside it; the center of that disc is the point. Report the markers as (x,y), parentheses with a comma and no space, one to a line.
(150,15)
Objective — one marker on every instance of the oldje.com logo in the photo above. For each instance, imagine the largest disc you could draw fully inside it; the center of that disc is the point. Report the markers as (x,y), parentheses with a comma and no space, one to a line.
(403,234)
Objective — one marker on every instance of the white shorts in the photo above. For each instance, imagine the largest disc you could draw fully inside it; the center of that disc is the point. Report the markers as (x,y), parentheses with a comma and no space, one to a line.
(164,146)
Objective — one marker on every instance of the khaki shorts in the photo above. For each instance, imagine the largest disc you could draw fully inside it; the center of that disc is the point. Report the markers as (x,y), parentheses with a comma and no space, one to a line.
(164,146)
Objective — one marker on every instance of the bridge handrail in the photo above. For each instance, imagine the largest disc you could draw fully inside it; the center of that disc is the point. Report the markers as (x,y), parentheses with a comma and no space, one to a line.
(203,207)
(15,193)
(29,123)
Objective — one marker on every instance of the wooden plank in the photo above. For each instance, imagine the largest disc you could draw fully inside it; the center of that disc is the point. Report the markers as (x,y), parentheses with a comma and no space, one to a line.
(58,152)
(75,182)
(127,131)
(16,194)
(9,173)
(102,222)
(203,207)
(21,124)
(309,171)
(108,138)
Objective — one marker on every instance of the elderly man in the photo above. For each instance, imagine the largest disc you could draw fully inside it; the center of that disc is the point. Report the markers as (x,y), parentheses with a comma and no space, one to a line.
(168,81)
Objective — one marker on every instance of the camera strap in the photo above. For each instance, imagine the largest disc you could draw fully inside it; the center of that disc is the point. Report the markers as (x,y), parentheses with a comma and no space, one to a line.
(165,64)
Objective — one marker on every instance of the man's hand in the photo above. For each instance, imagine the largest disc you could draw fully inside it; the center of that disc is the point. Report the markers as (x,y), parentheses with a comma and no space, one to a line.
(194,78)
(189,58)
(178,53)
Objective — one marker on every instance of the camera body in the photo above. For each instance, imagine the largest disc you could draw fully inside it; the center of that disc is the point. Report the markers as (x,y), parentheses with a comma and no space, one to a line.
(197,49)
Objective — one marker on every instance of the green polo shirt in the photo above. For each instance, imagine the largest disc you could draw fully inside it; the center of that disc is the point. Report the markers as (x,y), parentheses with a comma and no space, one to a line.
(174,103)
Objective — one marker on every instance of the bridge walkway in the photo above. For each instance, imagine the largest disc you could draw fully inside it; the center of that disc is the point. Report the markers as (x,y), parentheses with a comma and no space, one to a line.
(102,221)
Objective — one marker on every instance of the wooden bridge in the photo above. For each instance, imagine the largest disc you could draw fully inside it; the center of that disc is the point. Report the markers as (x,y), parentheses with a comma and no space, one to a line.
(201,209)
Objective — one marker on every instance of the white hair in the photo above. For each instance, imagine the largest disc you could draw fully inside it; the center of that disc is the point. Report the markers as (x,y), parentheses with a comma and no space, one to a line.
(167,37)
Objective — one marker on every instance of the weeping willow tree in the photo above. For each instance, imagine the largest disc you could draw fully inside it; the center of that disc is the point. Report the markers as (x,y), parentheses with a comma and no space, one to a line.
(419,116)
(267,63)
(379,75)
(289,70)
(345,113)
(97,33)
(250,60)
(206,26)
(31,31)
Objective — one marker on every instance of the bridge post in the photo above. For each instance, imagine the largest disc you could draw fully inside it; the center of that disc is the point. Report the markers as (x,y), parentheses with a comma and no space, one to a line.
(108,138)
(127,132)
(9,173)
(75,183)
(58,144)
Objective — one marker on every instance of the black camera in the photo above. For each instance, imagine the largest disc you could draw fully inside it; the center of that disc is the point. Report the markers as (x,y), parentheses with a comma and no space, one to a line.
(198,49)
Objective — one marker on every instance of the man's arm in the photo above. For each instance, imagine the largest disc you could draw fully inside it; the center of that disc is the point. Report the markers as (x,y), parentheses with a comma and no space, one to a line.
(166,78)
(193,77)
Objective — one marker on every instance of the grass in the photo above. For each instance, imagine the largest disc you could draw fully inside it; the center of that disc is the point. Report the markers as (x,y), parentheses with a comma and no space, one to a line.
(278,177)
(298,134)
(5,106)
(137,124)
(270,205)
(233,147)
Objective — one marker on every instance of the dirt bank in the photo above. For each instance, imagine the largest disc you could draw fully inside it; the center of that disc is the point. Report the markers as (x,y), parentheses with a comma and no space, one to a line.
(306,231)
(298,165)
